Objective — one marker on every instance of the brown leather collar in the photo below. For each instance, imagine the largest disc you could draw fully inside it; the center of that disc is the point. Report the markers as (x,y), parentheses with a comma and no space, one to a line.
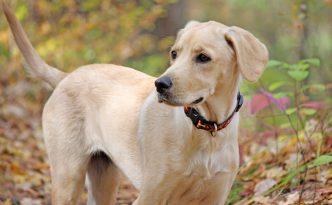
(201,123)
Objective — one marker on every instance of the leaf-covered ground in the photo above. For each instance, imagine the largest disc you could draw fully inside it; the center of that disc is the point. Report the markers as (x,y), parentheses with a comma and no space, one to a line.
(271,172)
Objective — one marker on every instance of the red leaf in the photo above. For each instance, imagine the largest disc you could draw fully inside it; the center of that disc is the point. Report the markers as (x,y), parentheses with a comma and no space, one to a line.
(258,103)
(313,104)
(281,103)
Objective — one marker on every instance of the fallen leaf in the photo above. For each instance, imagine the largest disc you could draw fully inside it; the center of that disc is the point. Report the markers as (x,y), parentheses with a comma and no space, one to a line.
(290,199)
(263,186)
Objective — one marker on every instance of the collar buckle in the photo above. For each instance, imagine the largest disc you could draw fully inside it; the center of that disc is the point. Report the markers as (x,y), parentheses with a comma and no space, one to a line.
(214,132)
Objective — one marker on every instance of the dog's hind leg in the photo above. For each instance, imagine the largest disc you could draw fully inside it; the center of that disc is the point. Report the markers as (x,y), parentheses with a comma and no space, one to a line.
(67,148)
(67,181)
(68,163)
(68,177)
(103,180)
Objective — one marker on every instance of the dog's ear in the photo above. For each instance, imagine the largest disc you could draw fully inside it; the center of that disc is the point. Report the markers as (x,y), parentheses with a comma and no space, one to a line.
(251,55)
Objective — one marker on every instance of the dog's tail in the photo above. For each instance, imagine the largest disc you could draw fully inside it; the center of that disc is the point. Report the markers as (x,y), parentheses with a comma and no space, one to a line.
(34,64)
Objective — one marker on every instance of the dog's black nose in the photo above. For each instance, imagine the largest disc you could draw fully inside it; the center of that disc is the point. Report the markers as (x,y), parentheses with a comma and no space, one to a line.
(162,84)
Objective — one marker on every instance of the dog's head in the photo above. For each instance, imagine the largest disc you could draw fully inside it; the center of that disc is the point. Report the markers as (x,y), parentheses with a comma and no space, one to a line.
(205,54)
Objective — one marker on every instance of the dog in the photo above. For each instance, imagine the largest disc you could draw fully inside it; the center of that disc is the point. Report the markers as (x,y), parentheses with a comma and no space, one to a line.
(174,137)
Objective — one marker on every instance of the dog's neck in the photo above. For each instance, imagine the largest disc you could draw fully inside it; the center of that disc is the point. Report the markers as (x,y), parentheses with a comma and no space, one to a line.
(217,107)
(221,104)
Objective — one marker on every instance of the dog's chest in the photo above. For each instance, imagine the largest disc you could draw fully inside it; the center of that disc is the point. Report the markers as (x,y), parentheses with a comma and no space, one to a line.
(205,178)
(211,156)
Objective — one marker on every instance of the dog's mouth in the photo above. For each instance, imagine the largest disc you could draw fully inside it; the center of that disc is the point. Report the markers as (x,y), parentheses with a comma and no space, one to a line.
(198,100)
(164,98)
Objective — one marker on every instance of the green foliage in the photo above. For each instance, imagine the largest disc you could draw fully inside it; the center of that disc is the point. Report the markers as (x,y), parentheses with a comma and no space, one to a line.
(234,195)
(298,71)
(302,128)
(321,160)
(74,33)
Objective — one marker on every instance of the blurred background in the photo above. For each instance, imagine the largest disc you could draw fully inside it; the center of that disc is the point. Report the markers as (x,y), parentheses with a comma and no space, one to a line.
(286,124)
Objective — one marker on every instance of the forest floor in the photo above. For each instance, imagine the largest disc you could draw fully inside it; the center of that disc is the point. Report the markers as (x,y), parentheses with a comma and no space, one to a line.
(272,171)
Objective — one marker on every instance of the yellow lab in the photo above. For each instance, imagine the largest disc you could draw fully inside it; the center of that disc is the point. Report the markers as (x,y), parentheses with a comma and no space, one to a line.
(174,137)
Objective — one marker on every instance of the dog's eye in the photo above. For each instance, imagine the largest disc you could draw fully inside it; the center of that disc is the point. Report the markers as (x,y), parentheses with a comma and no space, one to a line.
(174,54)
(202,58)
